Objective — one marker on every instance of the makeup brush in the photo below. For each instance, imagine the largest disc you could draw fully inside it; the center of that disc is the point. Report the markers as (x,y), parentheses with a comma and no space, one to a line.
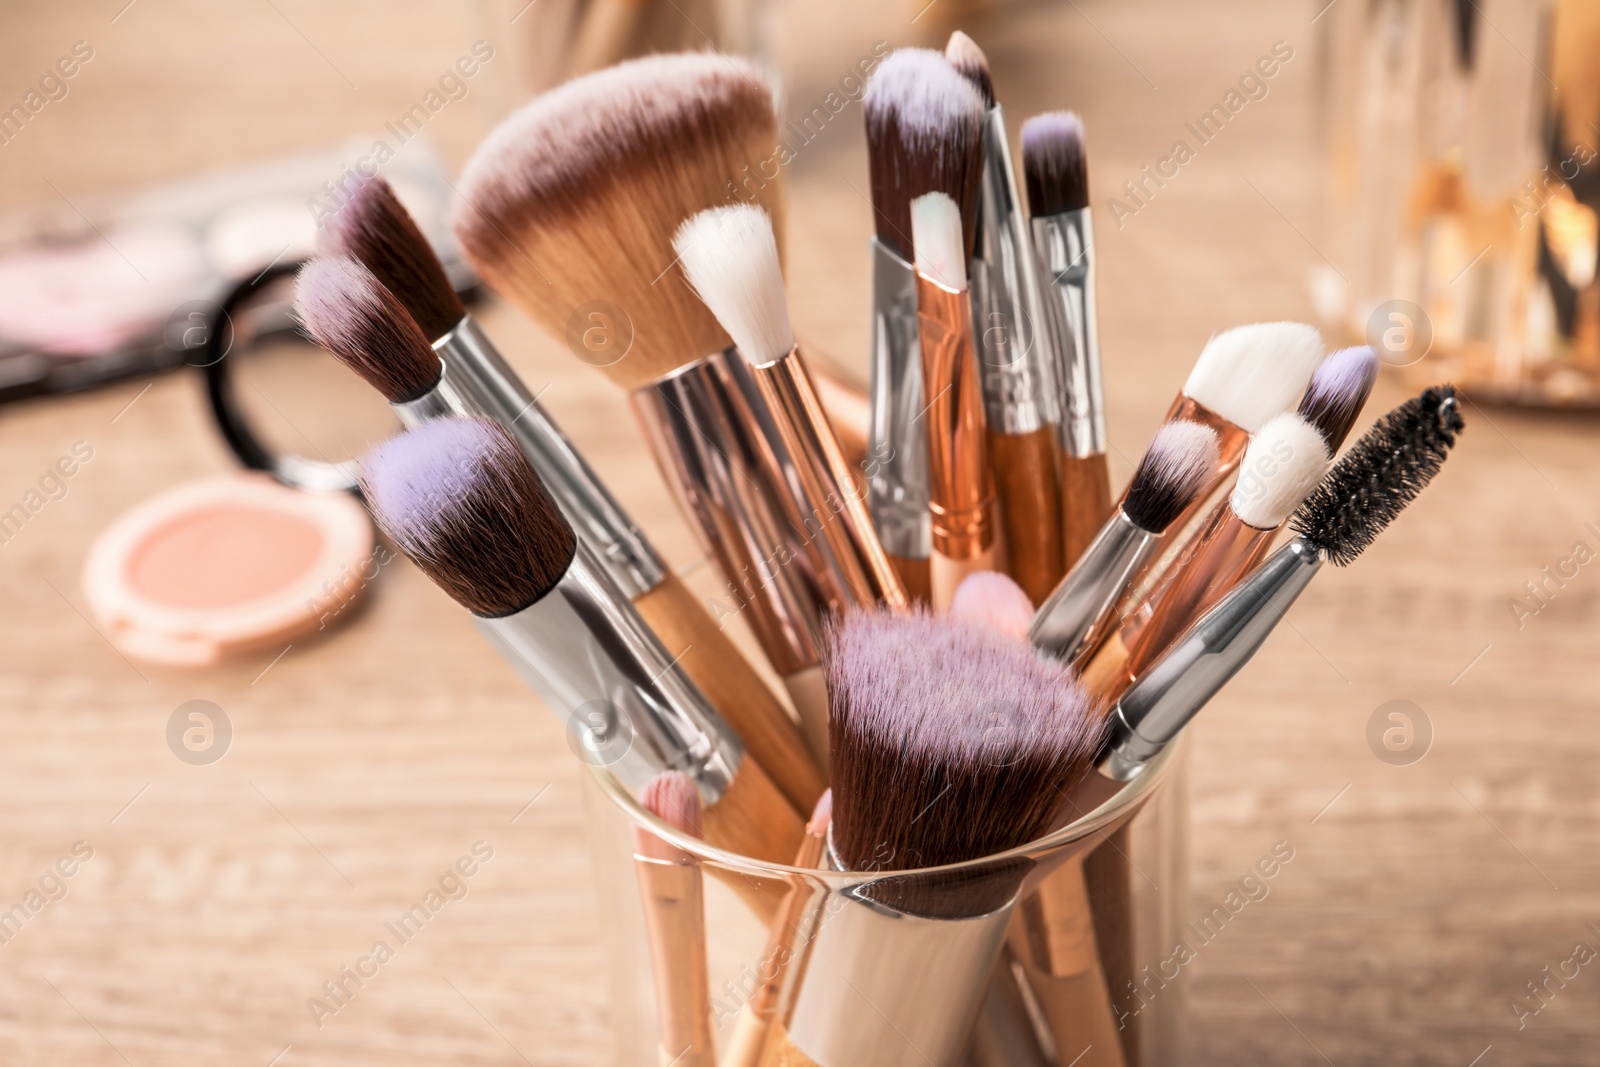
(1338,391)
(673,899)
(355,316)
(1016,364)
(914,95)
(754,1023)
(950,743)
(1056,170)
(995,601)
(960,483)
(591,181)
(1170,476)
(730,257)
(458,497)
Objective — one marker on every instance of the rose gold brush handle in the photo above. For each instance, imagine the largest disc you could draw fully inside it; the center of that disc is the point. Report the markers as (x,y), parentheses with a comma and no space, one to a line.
(674,916)
(849,412)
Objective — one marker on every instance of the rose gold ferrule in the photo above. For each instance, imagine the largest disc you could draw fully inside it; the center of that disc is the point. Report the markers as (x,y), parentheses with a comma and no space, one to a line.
(960,484)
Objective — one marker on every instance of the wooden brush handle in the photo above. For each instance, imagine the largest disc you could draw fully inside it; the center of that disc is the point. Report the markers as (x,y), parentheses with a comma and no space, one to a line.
(1078,1010)
(715,664)
(1108,877)
(753,819)
(914,576)
(1026,485)
(808,689)
(945,574)
(1085,502)
(781,1052)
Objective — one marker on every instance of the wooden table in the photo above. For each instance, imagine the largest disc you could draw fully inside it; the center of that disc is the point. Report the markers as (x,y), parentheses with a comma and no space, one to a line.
(1420,899)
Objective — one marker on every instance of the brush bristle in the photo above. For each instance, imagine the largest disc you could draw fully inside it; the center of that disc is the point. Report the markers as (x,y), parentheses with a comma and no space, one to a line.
(730,256)
(1284,460)
(821,815)
(1339,391)
(1055,166)
(458,497)
(670,796)
(349,312)
(950,742)
(1171,474)
(993,600)
(375,229)
(576,197)
(1250,373)
(924,134)
(1382,473)
(936,238)
(970,62)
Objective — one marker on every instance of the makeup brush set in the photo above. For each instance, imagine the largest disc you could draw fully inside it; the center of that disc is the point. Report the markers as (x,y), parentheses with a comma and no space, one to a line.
(944,901)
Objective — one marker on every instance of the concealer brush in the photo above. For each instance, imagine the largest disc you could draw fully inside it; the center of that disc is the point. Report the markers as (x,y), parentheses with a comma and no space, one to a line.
(458,497)
(355,316)
(914,94)
(1056,170)
(960,482)
(730,257)
(572,203)
(673,898)
(1016,365)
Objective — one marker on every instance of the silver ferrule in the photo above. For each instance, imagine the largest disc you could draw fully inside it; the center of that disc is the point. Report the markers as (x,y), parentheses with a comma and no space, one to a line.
(483,377)
(1064,247)
(626,705)
(1015,363)
(897,445)
(445,400)
(885,988)
(1064,625)
(1159,705)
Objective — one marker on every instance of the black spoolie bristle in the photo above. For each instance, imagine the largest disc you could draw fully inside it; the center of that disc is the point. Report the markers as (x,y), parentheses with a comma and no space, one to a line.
(349,312)
(1382,473)
(949,742)
(1055,168)
(1172,472)
(376,229)
(459,498)
(970,62)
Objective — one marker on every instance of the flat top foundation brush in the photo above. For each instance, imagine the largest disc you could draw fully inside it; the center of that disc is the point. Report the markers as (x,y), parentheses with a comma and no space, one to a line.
(353,313)
(458,497)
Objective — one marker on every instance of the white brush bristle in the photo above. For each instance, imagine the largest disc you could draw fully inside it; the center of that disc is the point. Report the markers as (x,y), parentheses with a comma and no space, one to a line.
(1251,373)
(1286,458)
(730,256)
(936,239)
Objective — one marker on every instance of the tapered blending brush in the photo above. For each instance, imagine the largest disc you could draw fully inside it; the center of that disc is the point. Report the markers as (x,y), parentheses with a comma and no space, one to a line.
(1338,391)
(730,257)
(673,897)
(458,497)
(355,316)
(960,482)
(571,205)
(951,743)
(1016,365)
(913,97)
(1170,476)
(1056,170)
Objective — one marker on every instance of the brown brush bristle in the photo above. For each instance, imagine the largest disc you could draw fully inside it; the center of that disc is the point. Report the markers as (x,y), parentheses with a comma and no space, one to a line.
(670,796)
(576,198)
(970,62)
(350,313)
(950,742)
(924,134)
(375,229)
(1055,168)
(458,497)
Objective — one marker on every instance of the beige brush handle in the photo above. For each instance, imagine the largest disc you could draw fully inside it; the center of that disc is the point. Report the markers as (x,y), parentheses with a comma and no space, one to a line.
(674,915)
(946,574)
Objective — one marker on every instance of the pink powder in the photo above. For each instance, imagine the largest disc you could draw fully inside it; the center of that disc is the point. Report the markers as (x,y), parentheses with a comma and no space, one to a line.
(224,556)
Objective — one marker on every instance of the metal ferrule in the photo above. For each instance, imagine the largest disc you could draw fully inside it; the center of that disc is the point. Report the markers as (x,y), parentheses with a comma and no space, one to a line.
(725,460)
(897,447)
(1064,247)
(892,990)
(445,400)
(483,378)
(960,483)
(1079,608)
(1015,362)
(626,704)
(1201,662)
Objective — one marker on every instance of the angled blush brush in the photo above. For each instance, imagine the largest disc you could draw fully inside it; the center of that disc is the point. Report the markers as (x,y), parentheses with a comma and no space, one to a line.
(573,203)
(1016,365)
(458,497)
(353,314)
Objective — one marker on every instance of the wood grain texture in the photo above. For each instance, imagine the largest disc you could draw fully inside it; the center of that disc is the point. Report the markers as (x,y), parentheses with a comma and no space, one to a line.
(1085,502)
(1029,498)
(914,575)
(734,688)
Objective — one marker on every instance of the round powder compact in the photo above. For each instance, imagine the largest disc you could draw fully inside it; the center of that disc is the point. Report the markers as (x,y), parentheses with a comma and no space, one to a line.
(226,566)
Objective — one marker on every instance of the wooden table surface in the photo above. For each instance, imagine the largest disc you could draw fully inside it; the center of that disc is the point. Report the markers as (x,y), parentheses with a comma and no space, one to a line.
(1420,900)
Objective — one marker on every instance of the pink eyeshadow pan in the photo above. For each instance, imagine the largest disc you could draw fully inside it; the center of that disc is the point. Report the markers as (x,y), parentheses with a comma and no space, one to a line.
(224,556)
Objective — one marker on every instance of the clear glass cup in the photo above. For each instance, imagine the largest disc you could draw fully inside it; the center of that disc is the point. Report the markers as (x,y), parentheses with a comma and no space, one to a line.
(869,968)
